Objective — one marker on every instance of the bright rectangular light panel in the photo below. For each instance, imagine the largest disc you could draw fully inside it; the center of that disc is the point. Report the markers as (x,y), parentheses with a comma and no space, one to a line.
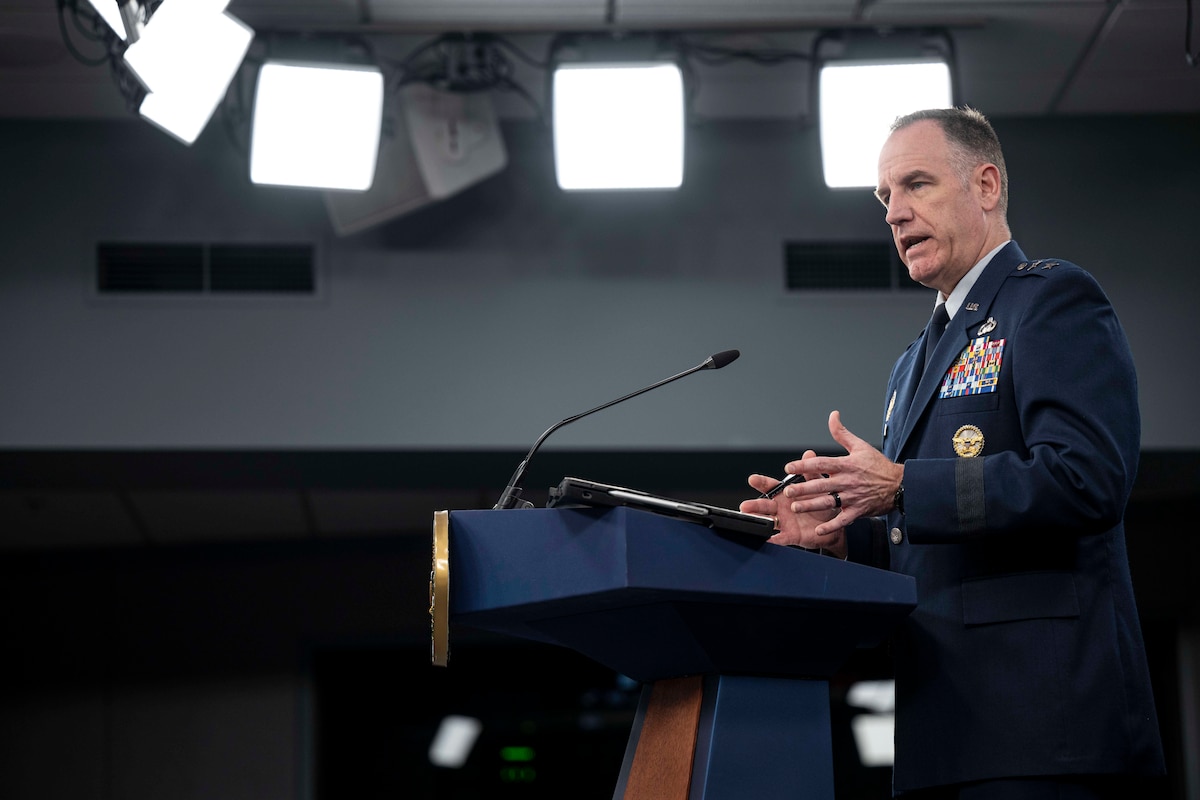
(859,102)
(316,125)
(186,57)
(618,126)
(183,37)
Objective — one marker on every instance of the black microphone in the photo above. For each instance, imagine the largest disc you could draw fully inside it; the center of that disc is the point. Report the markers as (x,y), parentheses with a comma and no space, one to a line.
(512,493)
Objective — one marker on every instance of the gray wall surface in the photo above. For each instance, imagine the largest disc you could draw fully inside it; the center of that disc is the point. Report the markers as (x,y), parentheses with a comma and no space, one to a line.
(478,322)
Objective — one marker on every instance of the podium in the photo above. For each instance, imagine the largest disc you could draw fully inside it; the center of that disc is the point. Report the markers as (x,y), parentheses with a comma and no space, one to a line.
(733,638)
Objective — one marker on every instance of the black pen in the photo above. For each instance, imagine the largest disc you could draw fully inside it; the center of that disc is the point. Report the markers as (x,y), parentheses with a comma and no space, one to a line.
(787,481)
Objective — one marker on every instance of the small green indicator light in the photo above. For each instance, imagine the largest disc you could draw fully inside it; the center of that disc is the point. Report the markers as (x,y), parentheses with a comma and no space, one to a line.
(516,754)
(518,775)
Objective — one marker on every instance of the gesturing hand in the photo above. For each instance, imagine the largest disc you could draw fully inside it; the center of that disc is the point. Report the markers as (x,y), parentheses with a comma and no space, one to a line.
(861,483)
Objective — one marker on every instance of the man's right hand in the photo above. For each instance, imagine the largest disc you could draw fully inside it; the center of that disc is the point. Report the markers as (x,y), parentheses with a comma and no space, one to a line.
(795,528)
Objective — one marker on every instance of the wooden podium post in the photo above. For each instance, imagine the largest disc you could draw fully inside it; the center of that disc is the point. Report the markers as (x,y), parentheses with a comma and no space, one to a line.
(736,736)
(733,638)
(662,749)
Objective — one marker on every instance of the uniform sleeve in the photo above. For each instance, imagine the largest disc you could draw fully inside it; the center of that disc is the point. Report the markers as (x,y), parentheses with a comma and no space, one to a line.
(866,542)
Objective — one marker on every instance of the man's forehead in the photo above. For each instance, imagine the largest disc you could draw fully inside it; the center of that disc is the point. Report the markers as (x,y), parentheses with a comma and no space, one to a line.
(913,149)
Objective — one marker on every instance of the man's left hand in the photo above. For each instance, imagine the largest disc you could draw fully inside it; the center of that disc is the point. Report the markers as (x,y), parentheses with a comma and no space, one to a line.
(862,483)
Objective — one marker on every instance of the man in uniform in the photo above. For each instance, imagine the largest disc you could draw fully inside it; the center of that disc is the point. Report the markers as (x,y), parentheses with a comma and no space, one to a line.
(1010,443)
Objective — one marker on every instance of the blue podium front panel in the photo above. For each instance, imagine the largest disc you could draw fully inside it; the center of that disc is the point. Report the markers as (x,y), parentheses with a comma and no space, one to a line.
(766,738)
(653,597)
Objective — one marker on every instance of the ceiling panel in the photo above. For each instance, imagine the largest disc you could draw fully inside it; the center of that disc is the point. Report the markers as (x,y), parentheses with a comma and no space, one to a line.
(977,5)
(772,13)
(1016,58)
(495,14)
(1013,58)
(1138,64)
(293,14)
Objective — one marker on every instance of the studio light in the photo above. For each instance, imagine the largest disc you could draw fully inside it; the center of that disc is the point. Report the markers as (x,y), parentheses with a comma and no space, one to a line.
(316,125)
(874,730)
(618,125)
(453,741)
(864,89)
(185,57)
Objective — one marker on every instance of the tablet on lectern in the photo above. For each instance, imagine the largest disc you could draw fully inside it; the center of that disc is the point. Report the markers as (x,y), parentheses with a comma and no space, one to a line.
(582,492)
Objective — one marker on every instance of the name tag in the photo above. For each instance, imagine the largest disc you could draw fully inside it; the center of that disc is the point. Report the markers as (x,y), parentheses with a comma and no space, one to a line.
(977,370)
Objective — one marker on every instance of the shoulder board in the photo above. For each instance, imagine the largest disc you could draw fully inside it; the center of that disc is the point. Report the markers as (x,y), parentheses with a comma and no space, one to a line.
(1039,265)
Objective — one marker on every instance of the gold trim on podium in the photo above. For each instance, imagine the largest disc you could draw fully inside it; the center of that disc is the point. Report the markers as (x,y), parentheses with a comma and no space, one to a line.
(439,591)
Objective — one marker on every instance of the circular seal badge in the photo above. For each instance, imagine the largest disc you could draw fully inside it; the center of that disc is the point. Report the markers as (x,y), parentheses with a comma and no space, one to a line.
(968,441)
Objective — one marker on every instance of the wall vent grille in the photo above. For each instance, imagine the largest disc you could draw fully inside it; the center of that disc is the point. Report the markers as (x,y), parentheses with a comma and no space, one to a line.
(844,265)
(138,268)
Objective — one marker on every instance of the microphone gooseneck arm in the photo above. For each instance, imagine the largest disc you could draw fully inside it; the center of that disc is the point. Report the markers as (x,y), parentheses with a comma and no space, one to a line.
(511,498)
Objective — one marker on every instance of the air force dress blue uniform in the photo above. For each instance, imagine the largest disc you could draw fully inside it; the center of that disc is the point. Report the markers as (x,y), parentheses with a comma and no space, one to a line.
(1020,439)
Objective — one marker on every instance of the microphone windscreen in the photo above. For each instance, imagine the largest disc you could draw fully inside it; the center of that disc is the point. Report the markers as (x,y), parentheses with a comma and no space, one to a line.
(724,358)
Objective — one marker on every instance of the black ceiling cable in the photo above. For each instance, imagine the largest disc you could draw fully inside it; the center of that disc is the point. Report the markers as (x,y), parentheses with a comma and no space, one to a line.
(89,25)
(692,53)
(521,54)
(466,63)
(1191,57)
(94,31)
(714,55)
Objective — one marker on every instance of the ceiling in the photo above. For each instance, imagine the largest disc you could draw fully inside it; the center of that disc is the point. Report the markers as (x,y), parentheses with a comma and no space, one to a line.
(1016,58)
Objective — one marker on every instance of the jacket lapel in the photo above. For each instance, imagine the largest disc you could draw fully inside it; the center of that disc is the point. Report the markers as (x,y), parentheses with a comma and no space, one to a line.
(970,316)
(904,387)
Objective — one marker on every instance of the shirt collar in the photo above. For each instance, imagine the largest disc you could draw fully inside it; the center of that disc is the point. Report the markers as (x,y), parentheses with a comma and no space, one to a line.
(960,292)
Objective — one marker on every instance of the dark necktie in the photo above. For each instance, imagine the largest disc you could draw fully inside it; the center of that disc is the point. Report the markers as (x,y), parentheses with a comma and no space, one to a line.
(935,329)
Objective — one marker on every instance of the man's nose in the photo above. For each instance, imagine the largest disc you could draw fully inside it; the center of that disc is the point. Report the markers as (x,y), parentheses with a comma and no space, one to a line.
(897,211)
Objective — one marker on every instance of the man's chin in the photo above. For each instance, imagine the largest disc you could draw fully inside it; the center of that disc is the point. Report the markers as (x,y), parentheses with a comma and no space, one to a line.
(920,272)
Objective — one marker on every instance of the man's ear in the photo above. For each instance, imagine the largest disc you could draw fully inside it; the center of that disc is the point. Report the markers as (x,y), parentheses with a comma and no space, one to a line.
(987,182)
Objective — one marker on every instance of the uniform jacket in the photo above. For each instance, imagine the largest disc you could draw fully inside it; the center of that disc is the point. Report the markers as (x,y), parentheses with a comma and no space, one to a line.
(1024,655)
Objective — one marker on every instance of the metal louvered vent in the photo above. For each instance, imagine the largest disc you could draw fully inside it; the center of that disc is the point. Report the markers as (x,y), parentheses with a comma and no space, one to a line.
(149,268)
(124,268)
(844,265)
